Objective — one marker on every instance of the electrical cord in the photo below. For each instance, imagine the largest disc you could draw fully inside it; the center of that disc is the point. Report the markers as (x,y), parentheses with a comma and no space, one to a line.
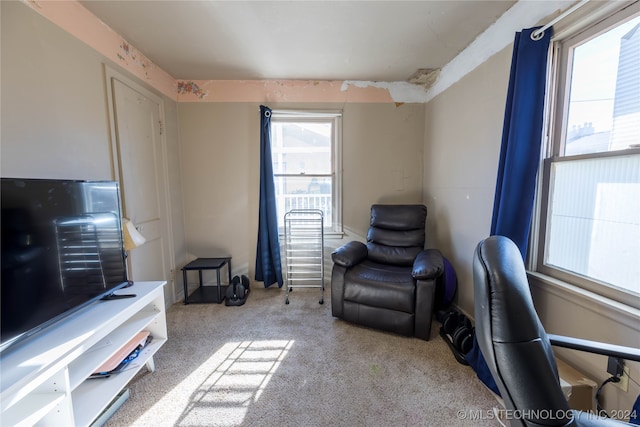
(629,376)
(601,410)
(613,379)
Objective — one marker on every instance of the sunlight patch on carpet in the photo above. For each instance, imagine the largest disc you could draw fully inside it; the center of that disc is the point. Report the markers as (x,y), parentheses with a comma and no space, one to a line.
(224,386)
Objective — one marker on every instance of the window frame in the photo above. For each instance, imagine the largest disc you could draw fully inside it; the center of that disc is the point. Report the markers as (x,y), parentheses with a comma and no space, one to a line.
(556,116)
(335,118)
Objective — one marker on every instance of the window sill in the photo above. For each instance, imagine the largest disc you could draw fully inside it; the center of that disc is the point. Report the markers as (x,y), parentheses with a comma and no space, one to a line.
(326,234)
(334,234)
(603,306)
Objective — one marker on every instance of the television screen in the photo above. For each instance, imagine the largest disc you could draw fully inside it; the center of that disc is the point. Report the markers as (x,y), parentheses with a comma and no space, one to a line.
(61,250)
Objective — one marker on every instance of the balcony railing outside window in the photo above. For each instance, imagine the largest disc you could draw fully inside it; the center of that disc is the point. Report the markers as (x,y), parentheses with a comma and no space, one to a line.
(306,201)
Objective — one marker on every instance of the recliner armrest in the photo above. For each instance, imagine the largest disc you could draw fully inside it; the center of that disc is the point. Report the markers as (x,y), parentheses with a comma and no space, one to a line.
(429,264)
(349,254)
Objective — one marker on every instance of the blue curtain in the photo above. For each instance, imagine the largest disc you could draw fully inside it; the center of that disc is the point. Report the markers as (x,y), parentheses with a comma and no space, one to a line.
(521,139)
(519,156)
(268,264)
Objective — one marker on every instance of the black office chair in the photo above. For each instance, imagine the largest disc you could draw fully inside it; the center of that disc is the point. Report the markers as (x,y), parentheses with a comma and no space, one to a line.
(516,347)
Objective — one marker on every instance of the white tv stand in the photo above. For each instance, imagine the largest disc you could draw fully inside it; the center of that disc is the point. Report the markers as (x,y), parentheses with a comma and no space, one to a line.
(44,380)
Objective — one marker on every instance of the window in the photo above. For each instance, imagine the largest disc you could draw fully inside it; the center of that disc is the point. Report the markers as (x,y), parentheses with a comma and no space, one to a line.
(590,194)
(305,150)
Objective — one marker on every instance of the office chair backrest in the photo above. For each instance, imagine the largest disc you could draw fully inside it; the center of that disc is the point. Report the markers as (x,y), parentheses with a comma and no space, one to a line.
(396,234)
(512,339)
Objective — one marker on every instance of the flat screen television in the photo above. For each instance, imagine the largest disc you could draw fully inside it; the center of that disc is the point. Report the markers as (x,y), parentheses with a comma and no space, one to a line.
(62,249)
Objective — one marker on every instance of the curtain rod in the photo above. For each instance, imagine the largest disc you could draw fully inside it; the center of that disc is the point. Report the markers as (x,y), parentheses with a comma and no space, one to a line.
(306,113)
(295,113)
(537,34)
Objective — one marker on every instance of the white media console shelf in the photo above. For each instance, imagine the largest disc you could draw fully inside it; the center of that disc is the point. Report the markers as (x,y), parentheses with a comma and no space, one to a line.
(44,379)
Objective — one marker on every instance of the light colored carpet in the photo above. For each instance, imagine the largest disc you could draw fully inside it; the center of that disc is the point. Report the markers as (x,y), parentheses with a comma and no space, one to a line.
(271,364)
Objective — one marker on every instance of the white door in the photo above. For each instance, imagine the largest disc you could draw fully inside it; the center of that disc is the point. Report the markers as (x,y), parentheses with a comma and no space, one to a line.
(143,182)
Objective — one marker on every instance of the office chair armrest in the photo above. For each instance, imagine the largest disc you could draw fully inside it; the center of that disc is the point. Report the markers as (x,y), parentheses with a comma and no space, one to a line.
(429,264)
(623,352)
(350,254)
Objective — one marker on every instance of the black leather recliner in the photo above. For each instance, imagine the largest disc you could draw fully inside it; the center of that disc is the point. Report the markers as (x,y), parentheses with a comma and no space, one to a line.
(516,347)
(388,283)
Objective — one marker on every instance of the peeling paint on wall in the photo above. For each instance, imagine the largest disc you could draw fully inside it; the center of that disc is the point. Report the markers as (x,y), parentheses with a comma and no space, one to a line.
(282,91)
(500,34)
(399,91)
(425,77)
(186,87)
(136,57)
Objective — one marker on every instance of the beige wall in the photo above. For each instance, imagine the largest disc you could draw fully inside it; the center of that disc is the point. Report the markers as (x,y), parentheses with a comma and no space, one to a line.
(54,122)
(220,150)
(220,176)
(463,131)
(463,128)
(55,119)
(382,159)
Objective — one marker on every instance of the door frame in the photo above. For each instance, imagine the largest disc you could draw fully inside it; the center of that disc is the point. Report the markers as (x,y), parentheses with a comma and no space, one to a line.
(110,75)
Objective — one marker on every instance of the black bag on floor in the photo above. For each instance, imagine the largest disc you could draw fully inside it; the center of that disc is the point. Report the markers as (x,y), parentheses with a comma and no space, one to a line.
(237,291)
(457,331)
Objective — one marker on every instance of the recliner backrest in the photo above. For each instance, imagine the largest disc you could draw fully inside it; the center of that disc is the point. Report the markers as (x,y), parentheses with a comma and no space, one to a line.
(396,234)
(511,337)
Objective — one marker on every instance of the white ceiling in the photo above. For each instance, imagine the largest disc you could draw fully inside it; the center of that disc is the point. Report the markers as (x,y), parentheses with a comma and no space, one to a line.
(298,40)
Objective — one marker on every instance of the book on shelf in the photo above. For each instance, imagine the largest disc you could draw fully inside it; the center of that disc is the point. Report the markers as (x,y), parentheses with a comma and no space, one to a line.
(125,355)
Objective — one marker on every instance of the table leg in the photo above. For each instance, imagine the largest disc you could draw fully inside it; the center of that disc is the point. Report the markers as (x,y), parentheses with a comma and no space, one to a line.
(200,276)
(184,283)
(219,290)
(151,366)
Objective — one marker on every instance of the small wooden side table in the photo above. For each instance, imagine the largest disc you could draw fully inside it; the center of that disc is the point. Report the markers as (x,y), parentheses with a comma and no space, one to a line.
(206,294)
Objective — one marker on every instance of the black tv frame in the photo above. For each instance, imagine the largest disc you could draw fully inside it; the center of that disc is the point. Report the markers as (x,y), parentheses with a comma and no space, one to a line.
(70,204)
